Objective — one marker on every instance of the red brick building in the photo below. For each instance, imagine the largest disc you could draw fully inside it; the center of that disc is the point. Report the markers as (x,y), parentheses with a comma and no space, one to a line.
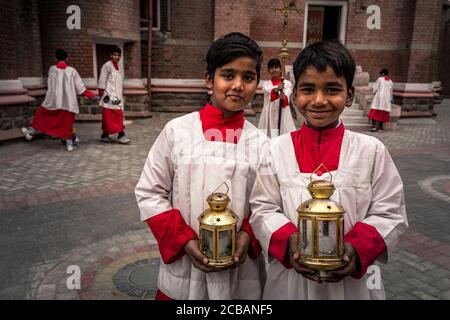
(412,40)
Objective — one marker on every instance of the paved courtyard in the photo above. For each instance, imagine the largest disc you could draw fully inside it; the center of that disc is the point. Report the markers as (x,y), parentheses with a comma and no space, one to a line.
(63,212)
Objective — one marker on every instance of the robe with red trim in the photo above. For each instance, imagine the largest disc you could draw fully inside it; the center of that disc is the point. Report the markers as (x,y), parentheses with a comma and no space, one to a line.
(110,83)
(368,186)
(187,162)
(268,121)
(381,104)
(56,115)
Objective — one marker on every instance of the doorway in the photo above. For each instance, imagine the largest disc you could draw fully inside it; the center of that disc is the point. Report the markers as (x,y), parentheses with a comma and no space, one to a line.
(103,55)
(324,20)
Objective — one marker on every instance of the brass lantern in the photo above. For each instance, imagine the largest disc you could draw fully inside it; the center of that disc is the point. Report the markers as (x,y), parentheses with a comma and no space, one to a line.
(218,230)
(321,228)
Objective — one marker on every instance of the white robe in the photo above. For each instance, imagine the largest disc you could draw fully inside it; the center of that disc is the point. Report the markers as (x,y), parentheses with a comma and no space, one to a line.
(63,86)
(383,90)
(181,170)
(368,186)
(268,121)
(111,80)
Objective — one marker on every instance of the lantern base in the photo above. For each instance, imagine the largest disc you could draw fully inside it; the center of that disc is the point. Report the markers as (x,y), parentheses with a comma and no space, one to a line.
(220,263)
(322,264)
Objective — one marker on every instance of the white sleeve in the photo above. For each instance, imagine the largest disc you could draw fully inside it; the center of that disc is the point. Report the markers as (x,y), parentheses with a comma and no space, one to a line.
(153,188)
(287,88)
(267,86)
(387,211)
(79,85)
(103,77)
(376,86)
(266,204)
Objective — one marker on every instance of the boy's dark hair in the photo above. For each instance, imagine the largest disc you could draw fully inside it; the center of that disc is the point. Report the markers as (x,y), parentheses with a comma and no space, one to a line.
(326,53)
(274,62)
(384,72)
(116,49)
(60,55)
(230,47)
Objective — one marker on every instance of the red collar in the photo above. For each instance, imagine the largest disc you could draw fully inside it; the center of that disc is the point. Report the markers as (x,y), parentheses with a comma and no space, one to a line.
(325,135)
(387,78)
(116,66)
(313,147)
(212,118)
(61,65)
(276,81)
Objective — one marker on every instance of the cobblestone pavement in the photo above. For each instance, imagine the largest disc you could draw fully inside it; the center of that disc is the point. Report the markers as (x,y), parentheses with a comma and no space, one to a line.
(63,214)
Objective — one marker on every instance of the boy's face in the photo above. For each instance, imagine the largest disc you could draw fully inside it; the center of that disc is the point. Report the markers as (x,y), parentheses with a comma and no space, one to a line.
(234,85)
(275,71)
(116,57)
(322,96)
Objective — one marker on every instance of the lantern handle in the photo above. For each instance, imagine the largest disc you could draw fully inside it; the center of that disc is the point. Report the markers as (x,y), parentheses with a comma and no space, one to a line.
(224,183)
(321,165)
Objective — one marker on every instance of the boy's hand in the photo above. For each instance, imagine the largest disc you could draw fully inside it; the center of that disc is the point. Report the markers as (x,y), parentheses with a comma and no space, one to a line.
(294,255)
(242,244)
(198,259)
(350,258)
(280,87)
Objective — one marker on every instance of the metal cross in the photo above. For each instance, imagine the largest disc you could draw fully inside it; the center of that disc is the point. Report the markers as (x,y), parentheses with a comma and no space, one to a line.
(284,50)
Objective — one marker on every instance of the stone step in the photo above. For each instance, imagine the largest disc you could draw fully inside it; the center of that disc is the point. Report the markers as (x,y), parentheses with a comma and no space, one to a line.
(353,113)
(354,120)
(86,117)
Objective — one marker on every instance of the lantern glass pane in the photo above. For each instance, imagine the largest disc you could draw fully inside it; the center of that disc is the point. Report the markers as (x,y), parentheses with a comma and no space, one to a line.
(225,243)
(306,237)
(327,238)
(208,243)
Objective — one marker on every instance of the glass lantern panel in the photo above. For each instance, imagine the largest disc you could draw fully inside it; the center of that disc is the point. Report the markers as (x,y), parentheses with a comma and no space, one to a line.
(208,243)
(306,237)
(225,243)
(327,238)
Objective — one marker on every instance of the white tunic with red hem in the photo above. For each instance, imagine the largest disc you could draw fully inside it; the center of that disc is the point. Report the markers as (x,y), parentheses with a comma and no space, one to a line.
(381,104)
(110,84)
(56,115)
(269,116)
(186,163)
(367,185)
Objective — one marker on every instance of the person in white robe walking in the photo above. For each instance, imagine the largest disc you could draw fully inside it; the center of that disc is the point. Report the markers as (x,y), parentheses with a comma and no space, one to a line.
(381,106)
(56,115)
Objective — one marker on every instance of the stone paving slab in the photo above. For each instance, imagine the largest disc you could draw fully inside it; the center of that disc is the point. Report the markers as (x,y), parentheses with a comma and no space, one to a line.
(61,209)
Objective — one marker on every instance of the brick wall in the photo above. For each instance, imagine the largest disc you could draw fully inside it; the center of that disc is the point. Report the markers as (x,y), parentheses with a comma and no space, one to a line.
(8,44)
(20,51)
(112,19)
(181,54)
(444,61)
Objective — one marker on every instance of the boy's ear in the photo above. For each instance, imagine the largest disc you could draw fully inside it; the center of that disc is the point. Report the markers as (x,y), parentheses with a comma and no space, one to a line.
(350,97)
(209,81)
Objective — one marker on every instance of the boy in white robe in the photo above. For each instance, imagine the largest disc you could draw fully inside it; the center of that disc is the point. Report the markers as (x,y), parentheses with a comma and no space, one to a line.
(367,185)
(273,88)
(56,115)
(382,101)
(110,89)
(192,156)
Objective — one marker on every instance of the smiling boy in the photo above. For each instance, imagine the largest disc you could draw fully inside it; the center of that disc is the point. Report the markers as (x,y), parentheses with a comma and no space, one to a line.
(367,184)
(193,155)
